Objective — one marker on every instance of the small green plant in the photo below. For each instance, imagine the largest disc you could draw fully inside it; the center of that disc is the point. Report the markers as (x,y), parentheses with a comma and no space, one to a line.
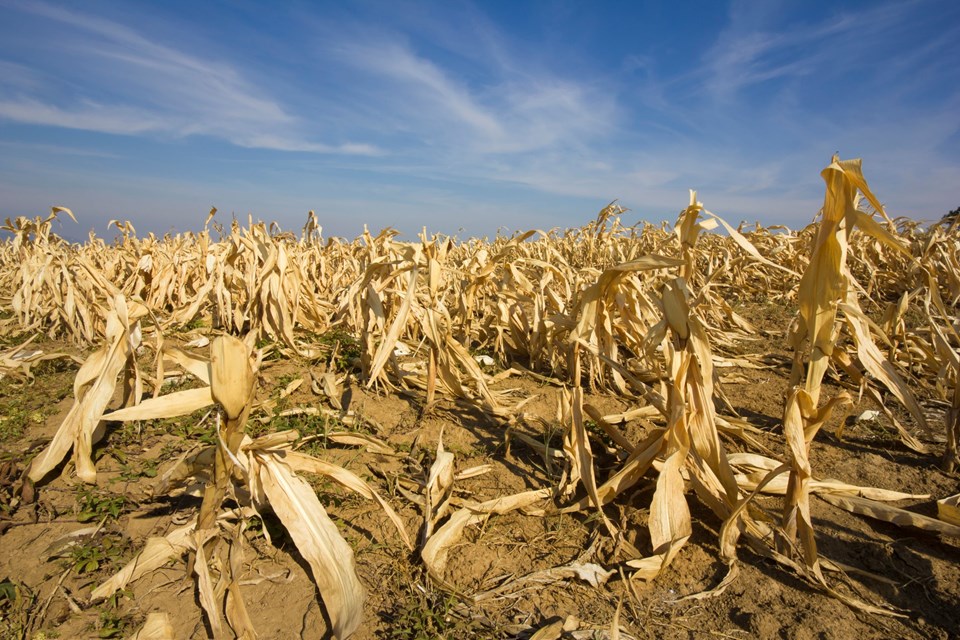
(86,558)
(346,346)
(168,450)
(8,592)
(255,528)
(48,368)
(148,468)
(259,529)
(28,405)
(197,322)
(91,554)
(462,450)
(110,623)
(305,425)
(429,615)
(594,429)
(13,423)
(284,380)
(16,601)
(94,505)
(132,472)
(194,427)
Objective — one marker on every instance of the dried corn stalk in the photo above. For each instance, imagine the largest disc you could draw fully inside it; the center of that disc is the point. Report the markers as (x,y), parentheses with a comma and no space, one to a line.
(268,470)
(642,311)
(93,390)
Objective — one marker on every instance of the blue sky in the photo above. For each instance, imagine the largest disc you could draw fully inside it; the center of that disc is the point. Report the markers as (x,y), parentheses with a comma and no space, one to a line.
(470,117)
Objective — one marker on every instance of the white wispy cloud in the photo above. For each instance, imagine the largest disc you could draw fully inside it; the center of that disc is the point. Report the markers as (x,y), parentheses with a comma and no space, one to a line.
(55,149)
(279,143)
(86,115)
(18,77)
(421,77)
(508,108)
(753,48)
(155,88)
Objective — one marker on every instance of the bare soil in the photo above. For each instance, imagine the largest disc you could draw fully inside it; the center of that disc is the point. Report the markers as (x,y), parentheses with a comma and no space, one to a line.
(45,583)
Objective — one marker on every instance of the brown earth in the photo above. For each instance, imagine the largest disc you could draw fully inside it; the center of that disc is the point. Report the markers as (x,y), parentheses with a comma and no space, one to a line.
(45,583)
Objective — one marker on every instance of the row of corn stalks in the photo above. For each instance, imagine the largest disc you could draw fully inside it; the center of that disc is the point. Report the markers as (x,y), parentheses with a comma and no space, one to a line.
(646,312)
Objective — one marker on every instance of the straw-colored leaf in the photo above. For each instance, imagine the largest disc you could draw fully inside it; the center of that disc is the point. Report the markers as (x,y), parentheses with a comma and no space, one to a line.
(948,509)
(385,350)
(232,377)
(93,390)
(878,366)
(208,595)
(887,513)
(171,405)
(234,607)
(437,547)
(198,367)
(304,463)
(438,488)
(318,541)
(156,627)
(155,553)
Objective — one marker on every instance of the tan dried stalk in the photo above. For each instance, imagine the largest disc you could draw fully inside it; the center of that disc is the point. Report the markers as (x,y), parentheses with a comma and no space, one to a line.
(611,308)
(93,390)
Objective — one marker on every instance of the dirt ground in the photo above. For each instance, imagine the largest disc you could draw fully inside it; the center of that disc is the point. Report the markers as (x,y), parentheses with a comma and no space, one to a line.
(46,578)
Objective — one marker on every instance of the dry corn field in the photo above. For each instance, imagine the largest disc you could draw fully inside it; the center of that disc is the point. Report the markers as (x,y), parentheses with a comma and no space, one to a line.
(682,431)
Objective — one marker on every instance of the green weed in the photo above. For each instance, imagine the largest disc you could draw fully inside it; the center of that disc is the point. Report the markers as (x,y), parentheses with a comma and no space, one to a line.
(346,346)
(16,602)
(110,623)
(428,615)
(94,505)
(95,553)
